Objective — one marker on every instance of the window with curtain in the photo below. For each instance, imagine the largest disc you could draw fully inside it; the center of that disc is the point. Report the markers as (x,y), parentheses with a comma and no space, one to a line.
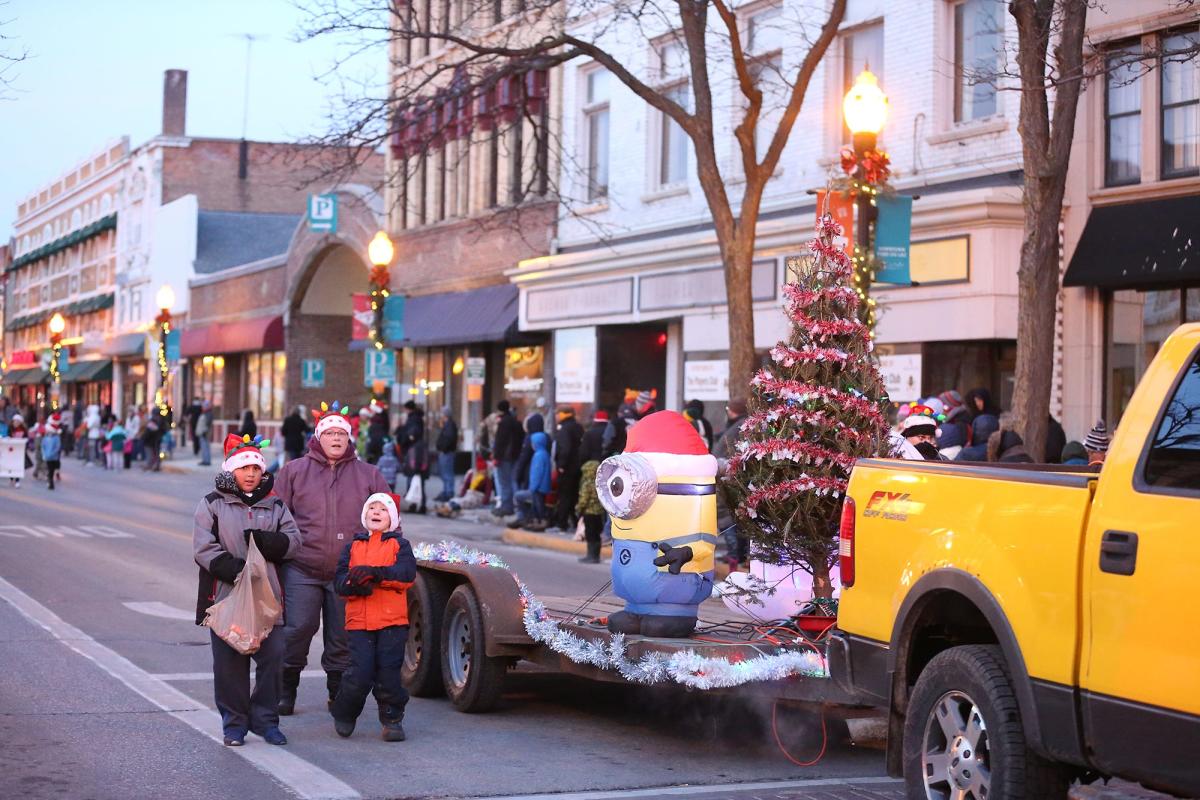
(673,70)
(595,117)
(266,384)
(1180,105)
(764,45)
(978,46)
(1123,117)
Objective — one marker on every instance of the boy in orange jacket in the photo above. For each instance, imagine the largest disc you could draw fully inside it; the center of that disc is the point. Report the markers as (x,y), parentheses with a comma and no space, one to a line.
(374,574)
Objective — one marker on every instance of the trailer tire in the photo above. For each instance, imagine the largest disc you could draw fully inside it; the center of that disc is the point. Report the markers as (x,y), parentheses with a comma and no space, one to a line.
(963,733)
(422,670)
(473,680)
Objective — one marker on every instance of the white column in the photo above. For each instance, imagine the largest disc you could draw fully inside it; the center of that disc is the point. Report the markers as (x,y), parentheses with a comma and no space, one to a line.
(674,399)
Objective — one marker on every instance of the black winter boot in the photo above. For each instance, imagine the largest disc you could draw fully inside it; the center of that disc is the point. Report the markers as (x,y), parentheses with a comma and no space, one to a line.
(333,682)
(393,731)
(593,554)
(287,692)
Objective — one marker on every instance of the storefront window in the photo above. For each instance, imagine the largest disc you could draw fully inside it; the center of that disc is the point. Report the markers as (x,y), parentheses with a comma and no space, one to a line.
(265,384)
(208,379)
(523,377)
(1138,323)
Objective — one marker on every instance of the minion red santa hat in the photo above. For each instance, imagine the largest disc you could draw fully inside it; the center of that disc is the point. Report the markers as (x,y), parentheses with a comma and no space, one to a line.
(389,501)
(332,416)
(242,451)
(672,446)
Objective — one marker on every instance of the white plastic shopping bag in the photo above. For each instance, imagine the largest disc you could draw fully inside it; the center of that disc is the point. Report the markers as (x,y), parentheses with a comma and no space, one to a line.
(248,614)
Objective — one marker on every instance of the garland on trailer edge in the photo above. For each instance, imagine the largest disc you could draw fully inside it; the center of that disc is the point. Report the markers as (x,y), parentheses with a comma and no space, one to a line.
(685,667)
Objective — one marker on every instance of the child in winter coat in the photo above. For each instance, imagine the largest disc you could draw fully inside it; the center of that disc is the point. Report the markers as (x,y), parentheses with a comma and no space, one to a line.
(531,501)
(116,444)
(51,448)
(374,573)
(388,463)
(243,505)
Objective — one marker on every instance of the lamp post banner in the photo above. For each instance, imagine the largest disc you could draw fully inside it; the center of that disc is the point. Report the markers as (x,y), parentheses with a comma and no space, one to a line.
(840,206)
(393,318)
(362,317)
(893,235)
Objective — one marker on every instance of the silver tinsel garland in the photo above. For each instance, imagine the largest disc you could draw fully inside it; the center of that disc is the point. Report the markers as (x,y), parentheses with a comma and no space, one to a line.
(685,667)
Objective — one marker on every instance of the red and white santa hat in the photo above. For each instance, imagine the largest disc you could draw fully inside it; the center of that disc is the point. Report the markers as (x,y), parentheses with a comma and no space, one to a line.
(332,417)
(390,501)
(672,446)
(242,451)
(54,423)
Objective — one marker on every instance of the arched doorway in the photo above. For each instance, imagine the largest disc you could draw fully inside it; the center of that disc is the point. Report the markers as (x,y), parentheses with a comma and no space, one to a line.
(324,271)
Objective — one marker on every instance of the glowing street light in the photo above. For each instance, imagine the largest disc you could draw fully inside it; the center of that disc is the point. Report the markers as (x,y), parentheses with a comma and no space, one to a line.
(865,108)
(381,251)
(165,297)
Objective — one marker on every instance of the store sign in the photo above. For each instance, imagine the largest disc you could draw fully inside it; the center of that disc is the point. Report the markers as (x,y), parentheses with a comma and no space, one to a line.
(393,318)
(893,233)
(706,380)
(322,213)
(476,371)
(379,366)
(312,373)
(22,359)
(362,316)
(901,376)
(573,302)
(575,365)
(173,343)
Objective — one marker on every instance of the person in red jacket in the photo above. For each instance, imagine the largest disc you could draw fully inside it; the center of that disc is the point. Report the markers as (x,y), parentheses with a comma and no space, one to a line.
(374,574)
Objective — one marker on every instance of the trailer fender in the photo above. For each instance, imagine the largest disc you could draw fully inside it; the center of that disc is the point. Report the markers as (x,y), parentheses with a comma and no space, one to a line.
(499,601)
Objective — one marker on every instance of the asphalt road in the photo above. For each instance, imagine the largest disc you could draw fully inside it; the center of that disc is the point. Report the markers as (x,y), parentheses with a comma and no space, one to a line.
(106,688)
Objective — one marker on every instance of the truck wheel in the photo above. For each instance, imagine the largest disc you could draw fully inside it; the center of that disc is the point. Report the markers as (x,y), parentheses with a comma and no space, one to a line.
(422,670)
(963,736)
(473,680)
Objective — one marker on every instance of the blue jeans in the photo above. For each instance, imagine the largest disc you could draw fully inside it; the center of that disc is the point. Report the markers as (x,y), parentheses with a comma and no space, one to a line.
(446,471)
(205,450)
(504,484)
(530,504)
(375,661)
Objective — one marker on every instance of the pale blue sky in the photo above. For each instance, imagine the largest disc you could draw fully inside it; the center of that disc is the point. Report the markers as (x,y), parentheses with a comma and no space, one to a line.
(95,70)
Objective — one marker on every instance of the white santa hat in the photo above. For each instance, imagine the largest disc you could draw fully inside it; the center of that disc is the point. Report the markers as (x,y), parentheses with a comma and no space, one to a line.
(390,501)
(332,417)
(242,451)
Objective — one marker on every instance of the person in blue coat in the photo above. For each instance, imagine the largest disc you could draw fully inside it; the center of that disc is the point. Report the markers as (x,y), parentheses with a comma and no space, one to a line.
(52,447)
(531,501)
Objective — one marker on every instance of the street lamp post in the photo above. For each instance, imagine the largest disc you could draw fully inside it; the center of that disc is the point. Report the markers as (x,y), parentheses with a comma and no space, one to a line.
(865,108)
(57,326)
(165,298)
(380,251)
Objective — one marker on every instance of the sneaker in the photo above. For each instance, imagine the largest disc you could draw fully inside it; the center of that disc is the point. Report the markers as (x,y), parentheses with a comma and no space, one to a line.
(274,736)
(344,729)
(235,738)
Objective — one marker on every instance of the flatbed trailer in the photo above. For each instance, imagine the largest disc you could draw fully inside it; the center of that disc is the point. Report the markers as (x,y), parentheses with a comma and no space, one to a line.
(467,629)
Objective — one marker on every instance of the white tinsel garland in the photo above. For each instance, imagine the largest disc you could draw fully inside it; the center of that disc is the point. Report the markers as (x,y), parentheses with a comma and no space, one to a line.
(686,667)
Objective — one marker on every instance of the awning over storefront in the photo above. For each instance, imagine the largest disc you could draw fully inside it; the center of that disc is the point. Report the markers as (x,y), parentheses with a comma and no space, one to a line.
(1149,245)
(25,377)
(243,336)
(127,344)
(477,315)
(86,371)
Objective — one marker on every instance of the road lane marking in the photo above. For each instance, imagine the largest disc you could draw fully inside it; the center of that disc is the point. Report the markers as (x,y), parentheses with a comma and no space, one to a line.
(304,779)
(208,676)
(154,608)
(106,532)
(684,791)
(62,531)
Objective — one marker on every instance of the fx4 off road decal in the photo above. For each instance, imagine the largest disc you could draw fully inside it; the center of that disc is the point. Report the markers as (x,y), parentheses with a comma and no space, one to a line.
(896,506)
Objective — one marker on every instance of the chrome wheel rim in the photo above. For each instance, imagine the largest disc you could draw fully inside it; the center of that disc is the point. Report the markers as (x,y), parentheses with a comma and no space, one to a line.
(955,752)
(458,646)
(412,648)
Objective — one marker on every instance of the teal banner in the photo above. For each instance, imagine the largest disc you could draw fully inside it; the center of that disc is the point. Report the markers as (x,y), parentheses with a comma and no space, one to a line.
(173,339)
(893,234)
(393,319)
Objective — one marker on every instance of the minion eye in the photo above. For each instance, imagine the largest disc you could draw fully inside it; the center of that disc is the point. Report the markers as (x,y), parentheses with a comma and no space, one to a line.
(627,485)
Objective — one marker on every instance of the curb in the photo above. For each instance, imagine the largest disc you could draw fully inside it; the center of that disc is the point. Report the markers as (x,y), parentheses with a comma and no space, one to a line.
(566,544)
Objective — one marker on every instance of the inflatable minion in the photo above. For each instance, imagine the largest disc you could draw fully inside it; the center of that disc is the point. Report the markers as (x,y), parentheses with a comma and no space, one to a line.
(661,494)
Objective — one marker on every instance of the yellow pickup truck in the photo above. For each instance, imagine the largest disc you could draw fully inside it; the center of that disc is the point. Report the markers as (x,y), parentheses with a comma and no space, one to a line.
(1027,626)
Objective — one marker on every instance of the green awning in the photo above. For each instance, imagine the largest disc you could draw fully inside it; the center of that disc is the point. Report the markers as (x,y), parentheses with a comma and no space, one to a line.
(97,303)
(85,371)
(25,377)
(71,239)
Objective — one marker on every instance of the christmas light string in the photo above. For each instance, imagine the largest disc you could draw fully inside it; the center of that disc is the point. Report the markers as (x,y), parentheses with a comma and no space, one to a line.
(685,667)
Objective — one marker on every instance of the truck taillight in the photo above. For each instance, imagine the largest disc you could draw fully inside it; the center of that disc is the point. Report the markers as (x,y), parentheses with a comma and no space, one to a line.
(846,543)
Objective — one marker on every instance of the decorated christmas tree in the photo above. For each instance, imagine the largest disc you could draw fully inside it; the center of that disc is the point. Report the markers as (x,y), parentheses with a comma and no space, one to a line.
(816,407)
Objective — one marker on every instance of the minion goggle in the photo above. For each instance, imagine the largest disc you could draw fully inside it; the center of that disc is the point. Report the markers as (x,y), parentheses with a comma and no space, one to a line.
(627,485)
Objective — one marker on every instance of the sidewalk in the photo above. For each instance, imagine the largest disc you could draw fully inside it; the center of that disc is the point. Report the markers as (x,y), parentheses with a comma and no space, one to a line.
(1114,790)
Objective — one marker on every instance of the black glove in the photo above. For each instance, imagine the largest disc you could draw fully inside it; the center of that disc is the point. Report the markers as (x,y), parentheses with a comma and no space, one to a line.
(350,590)
(226,567)
(673,558)
(361,576)
(272,544)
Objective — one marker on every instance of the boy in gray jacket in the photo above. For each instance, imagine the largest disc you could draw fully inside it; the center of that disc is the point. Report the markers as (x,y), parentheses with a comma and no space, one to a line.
(242,506)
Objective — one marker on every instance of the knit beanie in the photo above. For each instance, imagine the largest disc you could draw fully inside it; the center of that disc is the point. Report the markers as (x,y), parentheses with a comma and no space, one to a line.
(242,451)
(1097,439)
(332,417)
(391,502)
